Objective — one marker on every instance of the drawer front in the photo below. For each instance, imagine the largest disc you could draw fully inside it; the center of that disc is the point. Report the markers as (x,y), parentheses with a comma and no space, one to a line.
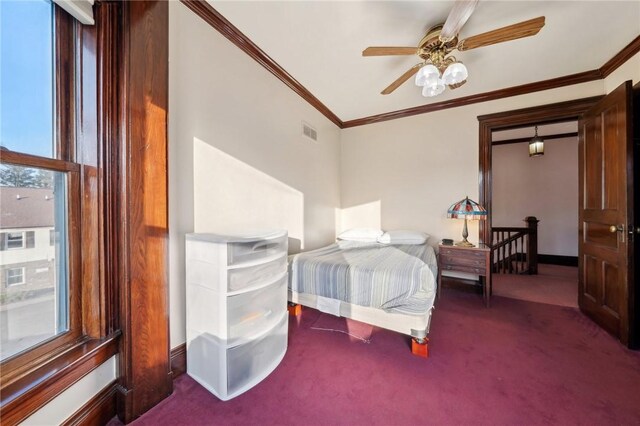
(238,253)
(256,311)
(468,253)
(251,360)
(462,268)
(477,262)
(240,278)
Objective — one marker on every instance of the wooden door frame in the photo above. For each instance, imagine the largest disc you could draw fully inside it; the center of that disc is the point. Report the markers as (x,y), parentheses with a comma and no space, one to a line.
(544,114)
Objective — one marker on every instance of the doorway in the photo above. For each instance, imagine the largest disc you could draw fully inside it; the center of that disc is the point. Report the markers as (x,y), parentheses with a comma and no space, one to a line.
(604,127)
(543,187)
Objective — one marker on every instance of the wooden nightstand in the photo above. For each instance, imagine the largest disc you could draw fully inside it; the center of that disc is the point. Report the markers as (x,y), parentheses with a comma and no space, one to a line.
(474,260)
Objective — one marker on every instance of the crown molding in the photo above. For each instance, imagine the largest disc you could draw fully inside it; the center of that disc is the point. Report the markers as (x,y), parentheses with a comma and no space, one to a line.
(621,57)
(553,83)
(544,137)
(210,15)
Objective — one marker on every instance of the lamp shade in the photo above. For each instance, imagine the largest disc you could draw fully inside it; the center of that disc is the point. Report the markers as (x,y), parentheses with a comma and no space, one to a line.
(466,209)
(427,75)
(455,73)
(434,89)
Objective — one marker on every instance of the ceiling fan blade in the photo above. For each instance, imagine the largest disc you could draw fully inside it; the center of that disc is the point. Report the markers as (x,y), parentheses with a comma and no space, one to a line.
(404,77)
(512,32)
(458,16)
(386,51)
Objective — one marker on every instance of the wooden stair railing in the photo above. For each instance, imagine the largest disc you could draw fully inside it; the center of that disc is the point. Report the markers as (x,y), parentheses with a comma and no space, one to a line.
(515,249)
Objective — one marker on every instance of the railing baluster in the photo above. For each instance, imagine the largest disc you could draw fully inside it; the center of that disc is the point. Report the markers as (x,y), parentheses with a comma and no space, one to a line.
(515,244)
(519,254)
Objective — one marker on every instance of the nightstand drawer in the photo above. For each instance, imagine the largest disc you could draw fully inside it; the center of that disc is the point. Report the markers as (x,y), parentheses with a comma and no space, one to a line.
(460,252)
(480,270)
(471,261)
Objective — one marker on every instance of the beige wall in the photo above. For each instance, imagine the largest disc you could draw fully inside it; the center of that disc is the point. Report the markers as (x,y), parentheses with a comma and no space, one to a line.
(416,167)
(545,187)
(237,157)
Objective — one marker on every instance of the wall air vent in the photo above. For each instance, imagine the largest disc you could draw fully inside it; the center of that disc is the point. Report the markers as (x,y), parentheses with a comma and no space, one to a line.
(309,131)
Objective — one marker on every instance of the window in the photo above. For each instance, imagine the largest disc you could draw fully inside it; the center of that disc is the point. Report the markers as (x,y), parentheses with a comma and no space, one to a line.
(37,172)
(14,240)
(49,86)
(14,276)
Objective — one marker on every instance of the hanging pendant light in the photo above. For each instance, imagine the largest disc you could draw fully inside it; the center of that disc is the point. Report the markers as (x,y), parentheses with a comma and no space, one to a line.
(536,145)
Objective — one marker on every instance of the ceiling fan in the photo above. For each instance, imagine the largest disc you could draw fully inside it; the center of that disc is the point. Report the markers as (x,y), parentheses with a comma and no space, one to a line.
(438,69)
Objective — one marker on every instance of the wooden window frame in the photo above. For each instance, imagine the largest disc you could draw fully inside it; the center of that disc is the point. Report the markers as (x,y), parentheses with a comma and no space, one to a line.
(34,377)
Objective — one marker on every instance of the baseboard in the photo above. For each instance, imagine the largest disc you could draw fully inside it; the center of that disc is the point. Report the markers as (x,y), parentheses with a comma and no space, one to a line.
(98,410)
(553,259)
(179,360)
(103,406)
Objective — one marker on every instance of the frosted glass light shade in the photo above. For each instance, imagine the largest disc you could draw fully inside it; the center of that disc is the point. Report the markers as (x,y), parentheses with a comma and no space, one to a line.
(428,74)
(455,73)
(434,89)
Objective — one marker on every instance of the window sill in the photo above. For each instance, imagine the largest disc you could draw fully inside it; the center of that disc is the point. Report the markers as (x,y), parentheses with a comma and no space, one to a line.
(24,396)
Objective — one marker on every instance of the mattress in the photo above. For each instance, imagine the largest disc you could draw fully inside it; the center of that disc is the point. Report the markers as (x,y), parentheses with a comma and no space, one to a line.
(393,278)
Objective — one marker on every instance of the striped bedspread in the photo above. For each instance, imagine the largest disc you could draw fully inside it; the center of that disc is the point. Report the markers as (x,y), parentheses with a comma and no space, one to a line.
(396,278)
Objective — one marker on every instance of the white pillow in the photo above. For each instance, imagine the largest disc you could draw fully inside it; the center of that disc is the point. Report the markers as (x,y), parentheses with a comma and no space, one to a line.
(403,237)
(361,234)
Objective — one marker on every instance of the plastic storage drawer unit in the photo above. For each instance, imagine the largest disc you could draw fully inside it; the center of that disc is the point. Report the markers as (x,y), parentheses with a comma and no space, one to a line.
(236,309)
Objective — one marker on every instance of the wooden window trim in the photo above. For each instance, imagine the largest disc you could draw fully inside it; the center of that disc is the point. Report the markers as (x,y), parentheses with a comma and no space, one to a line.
(33,378)
(25,396)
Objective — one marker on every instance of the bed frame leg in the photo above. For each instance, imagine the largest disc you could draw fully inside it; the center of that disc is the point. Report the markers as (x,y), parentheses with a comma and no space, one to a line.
(420,347)
(294,309)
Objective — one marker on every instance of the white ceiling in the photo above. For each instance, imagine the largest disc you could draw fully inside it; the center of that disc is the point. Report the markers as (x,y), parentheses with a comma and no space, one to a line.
(320,44)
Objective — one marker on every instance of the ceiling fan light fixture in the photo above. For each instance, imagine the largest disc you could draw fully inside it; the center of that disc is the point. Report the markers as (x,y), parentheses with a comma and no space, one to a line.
(427,75)
(434,89)
(455,73)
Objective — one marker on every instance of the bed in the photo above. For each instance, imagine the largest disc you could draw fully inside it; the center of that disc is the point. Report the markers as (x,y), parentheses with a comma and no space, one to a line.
(392,286)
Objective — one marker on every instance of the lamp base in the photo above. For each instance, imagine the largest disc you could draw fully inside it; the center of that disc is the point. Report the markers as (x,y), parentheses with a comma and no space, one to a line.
(465,234)
(465,243)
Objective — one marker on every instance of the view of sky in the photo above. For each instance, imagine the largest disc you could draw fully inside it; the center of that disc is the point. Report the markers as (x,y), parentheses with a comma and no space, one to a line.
(26,76)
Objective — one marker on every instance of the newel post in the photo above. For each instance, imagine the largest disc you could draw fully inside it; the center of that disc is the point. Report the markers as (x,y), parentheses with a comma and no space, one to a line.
(532,244)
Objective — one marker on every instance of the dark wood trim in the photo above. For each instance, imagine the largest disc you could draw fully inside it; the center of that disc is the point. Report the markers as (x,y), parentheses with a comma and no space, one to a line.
(634,272)
(28,160)
(98,410)
(553,83)
(211,16)
(179,360)
(145,372)
(621,57)
(25,396)
(65,92)
(554,259)
(527,139)
(104,41)
(553,113)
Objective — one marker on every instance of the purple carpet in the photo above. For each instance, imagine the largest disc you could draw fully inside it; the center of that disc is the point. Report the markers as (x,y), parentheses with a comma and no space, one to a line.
(515,363)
